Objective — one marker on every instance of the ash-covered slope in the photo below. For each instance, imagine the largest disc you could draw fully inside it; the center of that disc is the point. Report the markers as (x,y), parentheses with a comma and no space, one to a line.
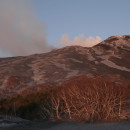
(110,58)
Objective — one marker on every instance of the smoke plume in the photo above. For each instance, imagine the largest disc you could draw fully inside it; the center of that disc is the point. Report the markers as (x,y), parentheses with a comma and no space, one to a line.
(79,40)
(21,33)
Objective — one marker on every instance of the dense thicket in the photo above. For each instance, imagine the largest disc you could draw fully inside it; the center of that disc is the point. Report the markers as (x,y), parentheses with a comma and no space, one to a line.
(79,99)
(86,99)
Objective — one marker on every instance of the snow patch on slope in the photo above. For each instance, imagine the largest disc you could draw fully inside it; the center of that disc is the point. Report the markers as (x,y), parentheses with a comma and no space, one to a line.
(90,57)
(72,73)
(37,73)
(75,60)
(120,42)
(106,61)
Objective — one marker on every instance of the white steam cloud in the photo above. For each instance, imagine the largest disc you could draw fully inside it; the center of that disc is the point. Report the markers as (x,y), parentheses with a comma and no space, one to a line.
(79,40)
(21,33)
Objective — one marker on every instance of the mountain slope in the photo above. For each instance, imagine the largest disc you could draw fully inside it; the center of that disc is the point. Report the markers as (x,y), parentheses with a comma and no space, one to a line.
(110,58)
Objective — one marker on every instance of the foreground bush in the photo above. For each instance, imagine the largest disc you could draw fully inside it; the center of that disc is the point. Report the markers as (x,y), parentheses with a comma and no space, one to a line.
(86,99)
(79,99)
(26,107)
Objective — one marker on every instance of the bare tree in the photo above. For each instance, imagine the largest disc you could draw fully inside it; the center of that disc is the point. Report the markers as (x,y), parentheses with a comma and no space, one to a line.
(86,99)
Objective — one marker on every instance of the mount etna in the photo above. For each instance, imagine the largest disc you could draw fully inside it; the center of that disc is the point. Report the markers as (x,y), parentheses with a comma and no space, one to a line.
(109,59)
(72,83)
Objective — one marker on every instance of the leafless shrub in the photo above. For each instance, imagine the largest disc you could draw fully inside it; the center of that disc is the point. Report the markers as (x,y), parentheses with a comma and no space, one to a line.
(85,99)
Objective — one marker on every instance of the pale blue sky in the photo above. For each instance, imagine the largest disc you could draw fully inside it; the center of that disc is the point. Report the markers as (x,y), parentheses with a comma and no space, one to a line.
(89,17)
(21,22)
